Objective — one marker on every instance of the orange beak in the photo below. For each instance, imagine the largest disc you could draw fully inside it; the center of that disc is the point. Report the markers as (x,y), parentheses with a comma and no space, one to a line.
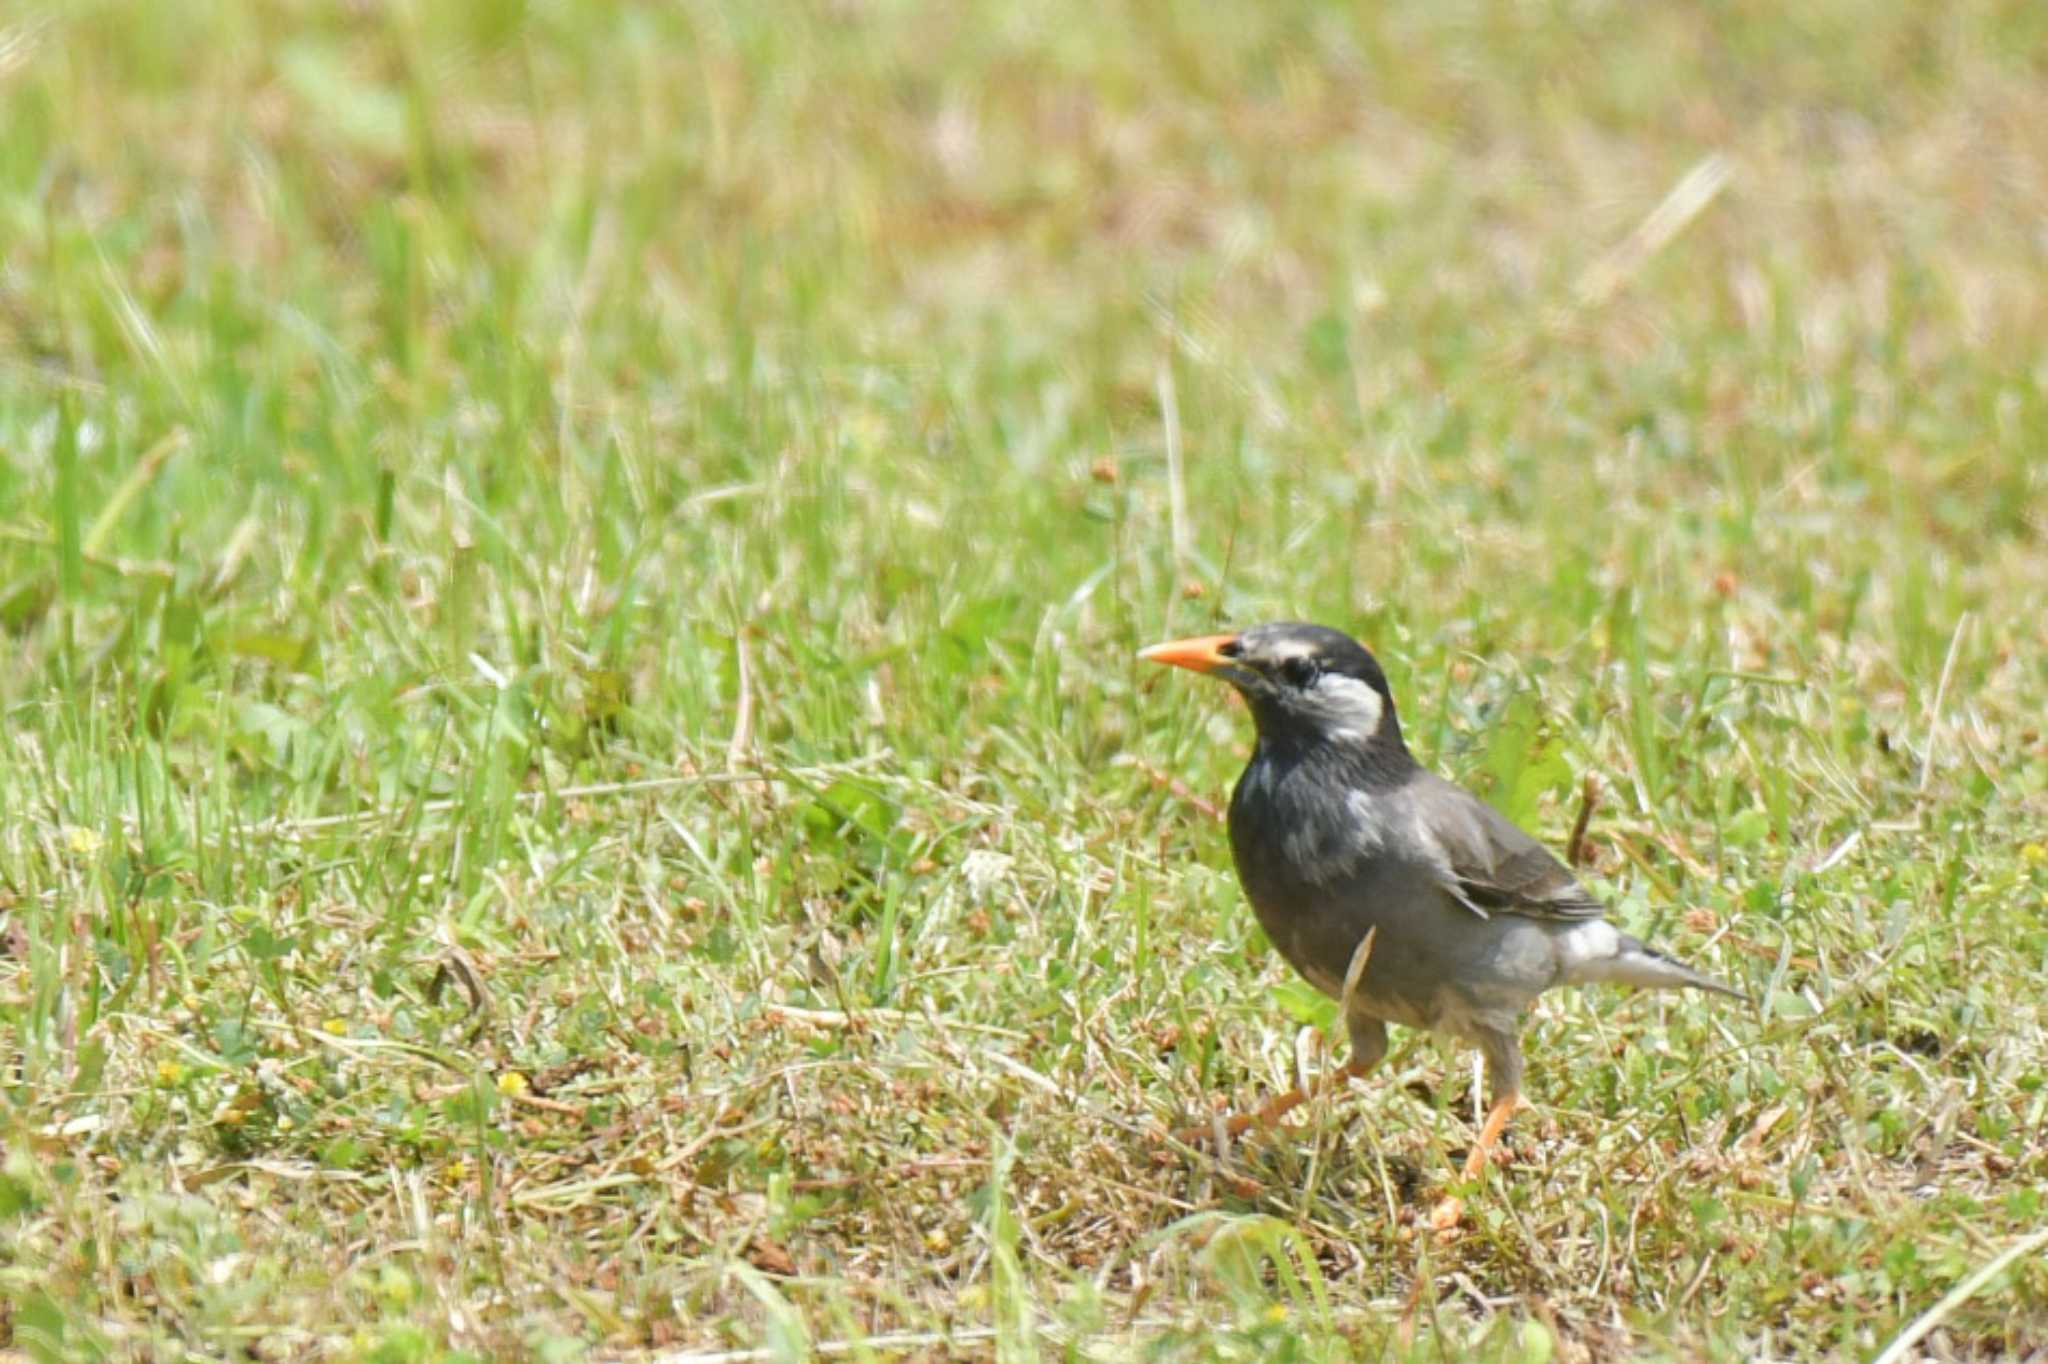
(1202,654)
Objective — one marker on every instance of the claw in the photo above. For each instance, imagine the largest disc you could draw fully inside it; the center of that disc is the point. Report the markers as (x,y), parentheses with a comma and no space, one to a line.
(1274,1110)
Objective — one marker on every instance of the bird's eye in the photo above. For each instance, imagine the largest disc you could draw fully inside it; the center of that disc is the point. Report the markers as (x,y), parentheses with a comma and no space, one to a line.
(1299,672)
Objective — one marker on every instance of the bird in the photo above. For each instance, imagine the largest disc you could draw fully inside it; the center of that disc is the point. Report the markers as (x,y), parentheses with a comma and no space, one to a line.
(1399,893)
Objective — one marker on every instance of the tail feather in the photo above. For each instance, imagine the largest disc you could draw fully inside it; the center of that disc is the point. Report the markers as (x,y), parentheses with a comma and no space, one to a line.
(1633,962)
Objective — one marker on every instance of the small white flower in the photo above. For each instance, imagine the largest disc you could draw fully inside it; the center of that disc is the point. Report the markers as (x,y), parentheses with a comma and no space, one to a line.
(983,869)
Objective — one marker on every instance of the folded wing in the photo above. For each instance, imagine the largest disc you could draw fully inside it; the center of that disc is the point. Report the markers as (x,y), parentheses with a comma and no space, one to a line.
(1493,866)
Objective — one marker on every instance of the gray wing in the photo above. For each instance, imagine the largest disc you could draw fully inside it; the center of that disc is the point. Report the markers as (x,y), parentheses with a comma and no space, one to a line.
(1493,866)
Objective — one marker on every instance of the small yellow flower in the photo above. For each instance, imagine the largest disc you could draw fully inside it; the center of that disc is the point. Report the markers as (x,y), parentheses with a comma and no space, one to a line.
(83,841)
(1276,1314)
(285,1123)
(169,1073)
(2034,853)
(397,1286)
(335,1027)
(513,1083)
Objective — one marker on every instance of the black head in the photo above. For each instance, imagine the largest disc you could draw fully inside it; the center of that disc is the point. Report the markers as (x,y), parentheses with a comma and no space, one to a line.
(1306,684)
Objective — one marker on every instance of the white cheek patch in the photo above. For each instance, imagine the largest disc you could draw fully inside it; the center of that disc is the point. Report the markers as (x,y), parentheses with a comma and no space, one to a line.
(1352,707)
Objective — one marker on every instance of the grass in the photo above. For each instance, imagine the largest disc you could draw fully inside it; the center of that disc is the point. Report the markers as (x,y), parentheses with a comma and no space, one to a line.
(573,782)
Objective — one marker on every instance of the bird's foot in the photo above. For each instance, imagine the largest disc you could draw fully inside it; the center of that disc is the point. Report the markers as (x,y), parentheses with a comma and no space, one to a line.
(1482,1158)
(1274,1109)
(1229,1129)
(1490,1134)
(1237,1124)
(1445,1218)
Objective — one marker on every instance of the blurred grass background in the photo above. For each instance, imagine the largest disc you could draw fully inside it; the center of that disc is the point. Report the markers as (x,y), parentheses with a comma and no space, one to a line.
(573,782)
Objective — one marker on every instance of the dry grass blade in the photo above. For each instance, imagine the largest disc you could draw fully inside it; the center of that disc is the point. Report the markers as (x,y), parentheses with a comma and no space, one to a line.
(1948,667)
(840,1018)
(1176,478)
(289,825)
(1933,1317)
(737,750)
(1355,972)
(139,478)
(1575,851)
(1695,190)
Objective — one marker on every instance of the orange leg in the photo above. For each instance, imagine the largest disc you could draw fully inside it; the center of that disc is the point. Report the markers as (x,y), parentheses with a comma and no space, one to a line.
(1451,1210)
(1273,1110)
(1489,1134)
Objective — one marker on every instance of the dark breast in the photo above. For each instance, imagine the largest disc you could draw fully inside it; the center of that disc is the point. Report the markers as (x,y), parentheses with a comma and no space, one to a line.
(1319,874)
(1300,850)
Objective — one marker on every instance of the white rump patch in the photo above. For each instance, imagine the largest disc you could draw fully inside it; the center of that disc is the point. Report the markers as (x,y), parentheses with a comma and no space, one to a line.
(1588,943)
